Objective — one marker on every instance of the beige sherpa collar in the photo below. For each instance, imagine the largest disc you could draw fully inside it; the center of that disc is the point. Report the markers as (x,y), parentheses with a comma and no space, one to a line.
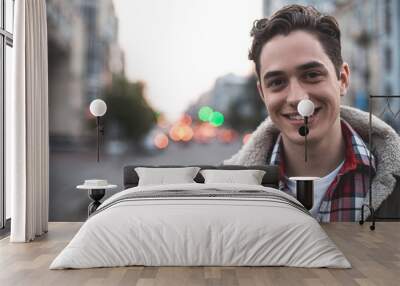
(386,149)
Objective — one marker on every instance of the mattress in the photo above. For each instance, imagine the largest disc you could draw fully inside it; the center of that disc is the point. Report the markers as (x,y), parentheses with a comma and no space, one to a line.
(201,225)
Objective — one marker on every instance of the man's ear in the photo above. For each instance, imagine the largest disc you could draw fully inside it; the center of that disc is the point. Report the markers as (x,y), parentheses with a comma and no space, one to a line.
(260,92)
(344,78)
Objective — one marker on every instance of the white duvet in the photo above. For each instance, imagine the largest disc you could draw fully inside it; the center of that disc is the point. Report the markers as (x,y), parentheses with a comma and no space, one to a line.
(200,231)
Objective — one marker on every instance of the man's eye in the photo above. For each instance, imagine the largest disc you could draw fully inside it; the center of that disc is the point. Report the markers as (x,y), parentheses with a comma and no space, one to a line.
(275,83)
(312,75)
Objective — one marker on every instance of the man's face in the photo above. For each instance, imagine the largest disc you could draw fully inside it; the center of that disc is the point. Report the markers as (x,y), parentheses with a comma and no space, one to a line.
(296,67)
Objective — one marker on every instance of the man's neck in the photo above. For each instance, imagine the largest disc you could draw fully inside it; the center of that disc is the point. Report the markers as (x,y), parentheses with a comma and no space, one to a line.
(322,157)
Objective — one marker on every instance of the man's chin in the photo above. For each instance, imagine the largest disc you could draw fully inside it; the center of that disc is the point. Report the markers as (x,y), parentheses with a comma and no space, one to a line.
(297,139)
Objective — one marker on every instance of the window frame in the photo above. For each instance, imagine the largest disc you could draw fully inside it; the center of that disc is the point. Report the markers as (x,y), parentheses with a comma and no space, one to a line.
(6,39)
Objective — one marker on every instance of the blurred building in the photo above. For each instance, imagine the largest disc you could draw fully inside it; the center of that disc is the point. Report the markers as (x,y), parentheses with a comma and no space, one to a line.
(104,57)
(194,107)
(370,40)
(67,62)
(358,21)
(270,6)
(389,45)
(237,98)
(388,64)
(370,34)
(226,90)
(83,55)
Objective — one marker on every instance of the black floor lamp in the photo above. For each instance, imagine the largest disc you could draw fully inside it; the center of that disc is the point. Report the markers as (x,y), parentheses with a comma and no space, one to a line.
(369,205)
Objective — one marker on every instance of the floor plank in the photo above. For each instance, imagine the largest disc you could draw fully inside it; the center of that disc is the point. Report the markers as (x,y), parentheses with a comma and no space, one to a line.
(374,255)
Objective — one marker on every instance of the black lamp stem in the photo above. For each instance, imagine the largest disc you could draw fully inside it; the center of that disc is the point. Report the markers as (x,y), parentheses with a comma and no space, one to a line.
(98,137)
(305,138)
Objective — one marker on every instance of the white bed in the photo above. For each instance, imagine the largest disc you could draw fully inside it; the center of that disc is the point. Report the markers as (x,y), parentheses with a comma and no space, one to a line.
(268,228)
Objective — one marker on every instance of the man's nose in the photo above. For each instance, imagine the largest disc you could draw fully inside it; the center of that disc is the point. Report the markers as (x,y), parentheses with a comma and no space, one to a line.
(296,93)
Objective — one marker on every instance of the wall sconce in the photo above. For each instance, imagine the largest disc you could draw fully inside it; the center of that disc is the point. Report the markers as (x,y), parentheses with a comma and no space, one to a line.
(98,108)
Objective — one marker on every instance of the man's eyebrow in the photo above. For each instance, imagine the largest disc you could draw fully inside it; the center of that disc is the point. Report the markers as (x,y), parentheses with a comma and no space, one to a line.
(309,65)
(273,74)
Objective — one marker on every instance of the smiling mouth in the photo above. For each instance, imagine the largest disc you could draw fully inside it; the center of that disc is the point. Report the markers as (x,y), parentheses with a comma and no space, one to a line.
(296,116)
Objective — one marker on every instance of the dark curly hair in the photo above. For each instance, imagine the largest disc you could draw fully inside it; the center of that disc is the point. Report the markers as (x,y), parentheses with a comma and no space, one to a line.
(297,17)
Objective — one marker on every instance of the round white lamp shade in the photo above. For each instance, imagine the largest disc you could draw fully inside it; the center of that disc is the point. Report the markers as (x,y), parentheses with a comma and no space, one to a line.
(98,107)
(305,107)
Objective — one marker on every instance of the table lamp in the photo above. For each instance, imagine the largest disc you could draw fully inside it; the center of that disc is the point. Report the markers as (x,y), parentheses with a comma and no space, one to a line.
(98,108)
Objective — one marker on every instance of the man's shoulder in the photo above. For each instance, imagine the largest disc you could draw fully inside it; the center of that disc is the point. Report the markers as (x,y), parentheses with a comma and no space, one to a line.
(359,120)
(385,147)
(256,149)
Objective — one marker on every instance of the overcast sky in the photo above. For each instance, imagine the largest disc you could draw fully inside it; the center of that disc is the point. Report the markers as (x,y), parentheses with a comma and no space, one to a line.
(179,47)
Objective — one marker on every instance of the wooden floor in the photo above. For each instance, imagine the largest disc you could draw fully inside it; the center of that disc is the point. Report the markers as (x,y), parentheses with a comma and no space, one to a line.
(374,255)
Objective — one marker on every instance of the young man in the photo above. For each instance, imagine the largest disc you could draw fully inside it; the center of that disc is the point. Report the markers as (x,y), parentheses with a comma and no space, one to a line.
(297,55)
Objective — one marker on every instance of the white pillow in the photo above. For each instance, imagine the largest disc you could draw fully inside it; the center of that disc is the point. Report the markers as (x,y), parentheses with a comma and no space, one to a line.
(162,176)
(249,177)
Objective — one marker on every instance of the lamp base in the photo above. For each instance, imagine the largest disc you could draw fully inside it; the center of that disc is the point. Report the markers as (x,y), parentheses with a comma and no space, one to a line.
(96,195)
(305,193)
(372,211)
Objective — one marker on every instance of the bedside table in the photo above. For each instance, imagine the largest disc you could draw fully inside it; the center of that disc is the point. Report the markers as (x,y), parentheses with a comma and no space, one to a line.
(95,192)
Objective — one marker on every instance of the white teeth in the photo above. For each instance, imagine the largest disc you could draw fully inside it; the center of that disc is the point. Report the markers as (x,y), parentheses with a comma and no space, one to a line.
(295,117)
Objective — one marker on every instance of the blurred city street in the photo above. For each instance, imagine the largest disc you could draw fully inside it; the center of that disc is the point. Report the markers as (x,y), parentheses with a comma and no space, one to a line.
(69,169)
(201,105)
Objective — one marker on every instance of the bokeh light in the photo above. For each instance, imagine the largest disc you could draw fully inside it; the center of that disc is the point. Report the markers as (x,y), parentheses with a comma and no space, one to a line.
(205,113)
(246,137)
(186,119)
(216,118)
(174,133)
(204,132)
(181,132)
(188,135)
(161,141)
(226,135)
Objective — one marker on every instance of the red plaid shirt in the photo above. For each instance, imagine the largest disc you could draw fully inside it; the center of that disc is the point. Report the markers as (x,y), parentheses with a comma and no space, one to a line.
(345,195)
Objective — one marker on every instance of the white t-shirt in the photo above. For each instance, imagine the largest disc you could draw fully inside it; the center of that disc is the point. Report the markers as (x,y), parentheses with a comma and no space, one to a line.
(320,187)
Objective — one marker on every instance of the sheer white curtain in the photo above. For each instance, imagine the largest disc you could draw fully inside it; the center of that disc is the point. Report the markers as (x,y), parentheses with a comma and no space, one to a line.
(27,147)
